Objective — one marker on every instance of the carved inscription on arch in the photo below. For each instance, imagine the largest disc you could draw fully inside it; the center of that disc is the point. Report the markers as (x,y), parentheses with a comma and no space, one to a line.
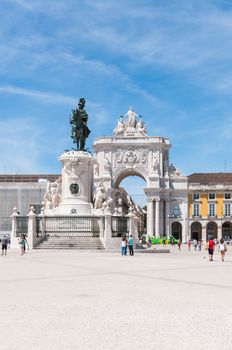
(130,156)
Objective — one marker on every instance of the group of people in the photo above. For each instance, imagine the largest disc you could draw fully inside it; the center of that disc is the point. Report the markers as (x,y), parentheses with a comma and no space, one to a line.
(22,242)
(196,244)
(222,249)
(127,244)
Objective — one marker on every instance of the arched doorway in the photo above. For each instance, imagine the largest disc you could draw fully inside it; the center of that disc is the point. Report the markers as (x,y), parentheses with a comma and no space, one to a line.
(129,192)
(177,230)
(227,230)
(196,231)
(211,230)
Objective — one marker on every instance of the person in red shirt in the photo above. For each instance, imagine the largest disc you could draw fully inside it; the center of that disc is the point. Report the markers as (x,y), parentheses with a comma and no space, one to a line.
(211,245)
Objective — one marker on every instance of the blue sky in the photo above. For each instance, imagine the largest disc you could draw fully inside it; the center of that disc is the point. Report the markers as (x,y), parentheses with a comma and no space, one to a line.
(169,60)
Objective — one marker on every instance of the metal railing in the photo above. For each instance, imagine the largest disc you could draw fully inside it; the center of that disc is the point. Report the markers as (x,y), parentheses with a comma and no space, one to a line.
(72,226)
(38,226)
(21,225)
(119,226)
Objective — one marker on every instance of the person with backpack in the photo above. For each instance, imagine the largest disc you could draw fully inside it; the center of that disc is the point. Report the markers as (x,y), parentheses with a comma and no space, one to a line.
(5,242)
(222,248)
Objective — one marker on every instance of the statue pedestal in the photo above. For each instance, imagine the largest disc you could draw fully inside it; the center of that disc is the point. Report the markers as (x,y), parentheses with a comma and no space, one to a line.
(77,181)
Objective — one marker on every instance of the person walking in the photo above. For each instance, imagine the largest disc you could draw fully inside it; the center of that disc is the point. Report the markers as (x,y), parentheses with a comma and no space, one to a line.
(130,245)
(23,242)
(222,248)
(5,242)
(211,246)
(189,245)
(172,242)
(179,244)
(199,245)
(195,244)
(124,245)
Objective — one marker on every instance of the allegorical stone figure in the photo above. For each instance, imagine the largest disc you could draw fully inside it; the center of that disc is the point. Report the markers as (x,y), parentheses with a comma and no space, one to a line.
(99,196)
(80,130)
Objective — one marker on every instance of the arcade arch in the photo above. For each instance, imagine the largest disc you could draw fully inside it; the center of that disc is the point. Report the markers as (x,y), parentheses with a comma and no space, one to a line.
(177,230)
(227,230)
(211,230)
(196,231)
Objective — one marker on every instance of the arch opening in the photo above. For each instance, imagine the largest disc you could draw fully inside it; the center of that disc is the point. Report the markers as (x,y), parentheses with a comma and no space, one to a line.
(227,230)
(196,231)
(130,193)
(211,230)
(177,230)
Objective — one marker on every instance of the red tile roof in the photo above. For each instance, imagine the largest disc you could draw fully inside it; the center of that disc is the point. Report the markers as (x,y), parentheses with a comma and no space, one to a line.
(210,178)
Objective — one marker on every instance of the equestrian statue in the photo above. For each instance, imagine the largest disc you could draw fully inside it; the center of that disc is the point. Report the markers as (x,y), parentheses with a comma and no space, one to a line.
(80,130)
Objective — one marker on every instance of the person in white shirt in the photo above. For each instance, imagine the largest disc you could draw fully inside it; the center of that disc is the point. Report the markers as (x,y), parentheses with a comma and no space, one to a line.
(222,248)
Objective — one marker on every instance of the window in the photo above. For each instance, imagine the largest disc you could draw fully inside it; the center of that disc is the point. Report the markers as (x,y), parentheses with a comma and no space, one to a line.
(176,210)
(227,195)
(196,196)
(227,209)
(211,209)
(196,210)
(211,195)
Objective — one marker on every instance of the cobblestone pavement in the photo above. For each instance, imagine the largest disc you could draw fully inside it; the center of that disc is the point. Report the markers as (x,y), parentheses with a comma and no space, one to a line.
(64,300)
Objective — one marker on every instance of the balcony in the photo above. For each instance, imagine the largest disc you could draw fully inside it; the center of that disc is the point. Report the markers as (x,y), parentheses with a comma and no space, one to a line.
(196,216)
(212,216)
(175,216)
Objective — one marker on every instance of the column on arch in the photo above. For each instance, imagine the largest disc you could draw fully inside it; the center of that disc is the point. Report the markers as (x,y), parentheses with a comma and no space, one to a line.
(157,217)
(150,216)
(167,217)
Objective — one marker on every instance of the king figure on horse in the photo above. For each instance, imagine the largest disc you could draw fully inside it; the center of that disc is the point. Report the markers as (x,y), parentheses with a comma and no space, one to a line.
(80,130)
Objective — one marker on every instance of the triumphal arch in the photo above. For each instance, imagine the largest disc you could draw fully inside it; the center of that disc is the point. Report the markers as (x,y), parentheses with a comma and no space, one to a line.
(131,152)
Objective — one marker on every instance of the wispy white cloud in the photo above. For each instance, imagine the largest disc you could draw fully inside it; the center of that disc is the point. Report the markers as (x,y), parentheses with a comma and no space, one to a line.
(45,97)
(20,145)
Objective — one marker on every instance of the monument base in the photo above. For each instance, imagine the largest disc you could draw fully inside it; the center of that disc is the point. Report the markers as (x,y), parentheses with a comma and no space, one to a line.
(66,209)
(77,179)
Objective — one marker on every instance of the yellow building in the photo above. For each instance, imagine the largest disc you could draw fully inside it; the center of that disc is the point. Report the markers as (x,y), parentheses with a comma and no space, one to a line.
(210,199)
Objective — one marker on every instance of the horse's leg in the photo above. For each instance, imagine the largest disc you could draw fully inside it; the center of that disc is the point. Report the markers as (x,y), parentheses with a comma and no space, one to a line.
(82,144)
(77,142)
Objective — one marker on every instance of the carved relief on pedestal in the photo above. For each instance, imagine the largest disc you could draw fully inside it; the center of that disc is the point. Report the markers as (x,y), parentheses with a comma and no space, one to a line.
(73,169)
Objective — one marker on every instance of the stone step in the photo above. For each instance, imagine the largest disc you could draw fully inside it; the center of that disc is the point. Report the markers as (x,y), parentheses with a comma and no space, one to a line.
(61,247)
(71,243)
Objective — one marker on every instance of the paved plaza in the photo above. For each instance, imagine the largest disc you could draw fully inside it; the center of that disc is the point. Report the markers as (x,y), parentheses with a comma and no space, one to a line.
(64,300)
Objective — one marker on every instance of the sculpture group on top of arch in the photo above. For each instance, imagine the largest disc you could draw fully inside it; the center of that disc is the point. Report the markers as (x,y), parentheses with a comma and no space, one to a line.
(130,125)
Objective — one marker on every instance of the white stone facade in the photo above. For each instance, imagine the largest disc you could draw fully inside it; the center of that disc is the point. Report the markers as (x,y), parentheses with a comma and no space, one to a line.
(131,152)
